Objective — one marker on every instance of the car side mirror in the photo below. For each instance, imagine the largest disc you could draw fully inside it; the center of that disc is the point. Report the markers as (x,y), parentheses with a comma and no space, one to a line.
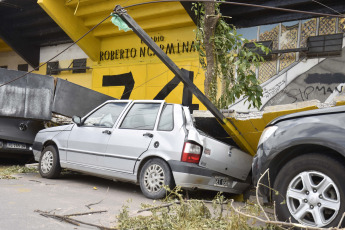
(77,120)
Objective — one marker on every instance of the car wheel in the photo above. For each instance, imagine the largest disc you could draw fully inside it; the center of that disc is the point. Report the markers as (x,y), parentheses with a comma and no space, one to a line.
(49,164)
(153,176)
(310,190)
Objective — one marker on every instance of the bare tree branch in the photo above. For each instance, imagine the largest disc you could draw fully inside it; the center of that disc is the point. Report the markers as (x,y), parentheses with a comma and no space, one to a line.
(67,219)
(257,193)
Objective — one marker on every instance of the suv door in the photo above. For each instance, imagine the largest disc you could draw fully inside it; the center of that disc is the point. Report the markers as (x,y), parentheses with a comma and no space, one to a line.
(87,143)
(132,137)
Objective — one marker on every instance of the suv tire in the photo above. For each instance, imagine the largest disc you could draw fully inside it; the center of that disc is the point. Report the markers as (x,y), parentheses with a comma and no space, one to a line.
(309,190)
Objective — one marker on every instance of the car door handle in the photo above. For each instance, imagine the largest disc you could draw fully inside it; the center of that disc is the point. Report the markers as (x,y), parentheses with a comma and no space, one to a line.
(148,135)
(107,132)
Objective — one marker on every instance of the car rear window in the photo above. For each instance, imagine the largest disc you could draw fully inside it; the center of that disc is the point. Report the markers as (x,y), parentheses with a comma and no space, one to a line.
(141,116)
(166,122)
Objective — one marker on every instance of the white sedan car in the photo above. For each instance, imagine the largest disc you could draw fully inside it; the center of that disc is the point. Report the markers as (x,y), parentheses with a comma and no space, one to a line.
(148,142)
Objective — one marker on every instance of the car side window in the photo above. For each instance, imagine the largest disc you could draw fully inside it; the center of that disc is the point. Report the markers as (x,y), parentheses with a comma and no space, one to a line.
(166,122)
(141,116)
(105,116)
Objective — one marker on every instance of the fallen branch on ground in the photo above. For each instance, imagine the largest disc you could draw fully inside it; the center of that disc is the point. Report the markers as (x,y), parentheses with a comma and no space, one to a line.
(66,218)
(158,207)
(89,205)
(86,213)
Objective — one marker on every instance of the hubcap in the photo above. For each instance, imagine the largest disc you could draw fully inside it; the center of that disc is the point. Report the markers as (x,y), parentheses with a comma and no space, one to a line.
(154,178)
(47,162)
(313,199)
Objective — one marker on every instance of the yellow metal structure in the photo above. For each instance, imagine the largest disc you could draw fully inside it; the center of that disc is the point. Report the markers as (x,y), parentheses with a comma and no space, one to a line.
(250,128)
(72,25)
(4,47)
(114,53)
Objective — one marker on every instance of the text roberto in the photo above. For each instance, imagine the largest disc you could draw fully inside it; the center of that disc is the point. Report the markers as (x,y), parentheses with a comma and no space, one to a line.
(169,48)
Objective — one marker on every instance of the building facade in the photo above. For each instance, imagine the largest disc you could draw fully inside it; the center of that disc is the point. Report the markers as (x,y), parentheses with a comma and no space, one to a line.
(119,64)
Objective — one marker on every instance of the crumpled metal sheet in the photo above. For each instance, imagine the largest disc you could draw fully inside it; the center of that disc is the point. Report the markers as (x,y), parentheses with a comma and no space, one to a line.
(19,129)
(28,97)
(36,97)
(72,99)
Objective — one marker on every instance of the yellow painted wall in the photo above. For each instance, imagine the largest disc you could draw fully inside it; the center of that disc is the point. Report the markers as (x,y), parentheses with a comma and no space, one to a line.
(124,54)
(83,79)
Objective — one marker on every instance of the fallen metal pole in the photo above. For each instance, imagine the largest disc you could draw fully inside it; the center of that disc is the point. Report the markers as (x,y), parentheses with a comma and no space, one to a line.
(167,61)
(226,124)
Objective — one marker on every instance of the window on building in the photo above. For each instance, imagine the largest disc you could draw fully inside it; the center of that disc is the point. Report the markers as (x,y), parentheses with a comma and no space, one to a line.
(4,66)
(52,68)
(80,65)
(23,67)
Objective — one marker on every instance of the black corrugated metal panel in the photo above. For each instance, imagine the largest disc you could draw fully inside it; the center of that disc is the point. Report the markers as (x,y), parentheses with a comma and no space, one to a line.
(244,16)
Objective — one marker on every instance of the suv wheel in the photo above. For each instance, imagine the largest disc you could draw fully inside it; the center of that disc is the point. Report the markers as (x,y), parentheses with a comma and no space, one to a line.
(153,176)
(311,191)
(49,164)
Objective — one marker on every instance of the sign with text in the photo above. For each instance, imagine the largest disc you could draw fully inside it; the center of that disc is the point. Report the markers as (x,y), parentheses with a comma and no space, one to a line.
(170,48)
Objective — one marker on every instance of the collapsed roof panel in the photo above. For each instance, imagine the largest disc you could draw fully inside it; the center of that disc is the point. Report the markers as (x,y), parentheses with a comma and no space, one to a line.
(247,16)
(71,99)
(28,97)
(25,27)
(33,97)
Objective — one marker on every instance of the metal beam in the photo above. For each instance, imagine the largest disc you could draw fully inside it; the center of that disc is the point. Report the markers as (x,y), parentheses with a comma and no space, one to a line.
(21,46)
(233,11)
(270,17)
(167,61)
(73,26)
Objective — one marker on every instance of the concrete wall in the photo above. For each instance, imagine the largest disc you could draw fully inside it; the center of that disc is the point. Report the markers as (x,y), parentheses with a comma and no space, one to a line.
(11,59)
(321,82)
(313,78)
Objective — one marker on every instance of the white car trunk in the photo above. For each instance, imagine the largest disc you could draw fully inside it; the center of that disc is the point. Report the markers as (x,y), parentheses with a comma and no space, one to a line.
(218,156)
(225,159)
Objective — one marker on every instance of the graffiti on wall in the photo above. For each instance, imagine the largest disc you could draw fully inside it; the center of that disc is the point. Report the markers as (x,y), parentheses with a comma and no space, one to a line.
(310,86)
(267,93)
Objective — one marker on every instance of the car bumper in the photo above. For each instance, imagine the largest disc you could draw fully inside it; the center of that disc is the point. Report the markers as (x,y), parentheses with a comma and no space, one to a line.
(259,167)
(12,148)
(192,176)
(37,149)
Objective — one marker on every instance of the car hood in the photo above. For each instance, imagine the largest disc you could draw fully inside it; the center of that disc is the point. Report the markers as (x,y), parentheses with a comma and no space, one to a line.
(315,112)
(58,128)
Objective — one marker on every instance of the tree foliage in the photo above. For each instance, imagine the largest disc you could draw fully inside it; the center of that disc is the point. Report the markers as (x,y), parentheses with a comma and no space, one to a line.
(223,57)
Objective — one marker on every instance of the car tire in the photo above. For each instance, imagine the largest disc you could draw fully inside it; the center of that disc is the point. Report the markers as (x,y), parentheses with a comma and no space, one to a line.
(49,164)
(309,190)
(153,176)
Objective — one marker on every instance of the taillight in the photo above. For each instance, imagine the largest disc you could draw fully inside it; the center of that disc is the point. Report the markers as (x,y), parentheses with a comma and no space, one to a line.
(191,153)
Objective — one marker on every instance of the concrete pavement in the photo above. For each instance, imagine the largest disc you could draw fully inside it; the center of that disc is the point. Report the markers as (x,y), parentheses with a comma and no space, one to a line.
(19,198)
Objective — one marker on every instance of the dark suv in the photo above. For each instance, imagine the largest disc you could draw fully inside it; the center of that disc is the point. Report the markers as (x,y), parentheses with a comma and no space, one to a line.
(304,154)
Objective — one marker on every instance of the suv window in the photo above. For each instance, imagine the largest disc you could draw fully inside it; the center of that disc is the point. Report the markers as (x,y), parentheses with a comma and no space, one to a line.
(105,116)
(141,116)
(166,122)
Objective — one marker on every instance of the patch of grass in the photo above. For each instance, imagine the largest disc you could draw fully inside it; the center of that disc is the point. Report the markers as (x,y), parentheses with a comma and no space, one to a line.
(177,213)
(7,172)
